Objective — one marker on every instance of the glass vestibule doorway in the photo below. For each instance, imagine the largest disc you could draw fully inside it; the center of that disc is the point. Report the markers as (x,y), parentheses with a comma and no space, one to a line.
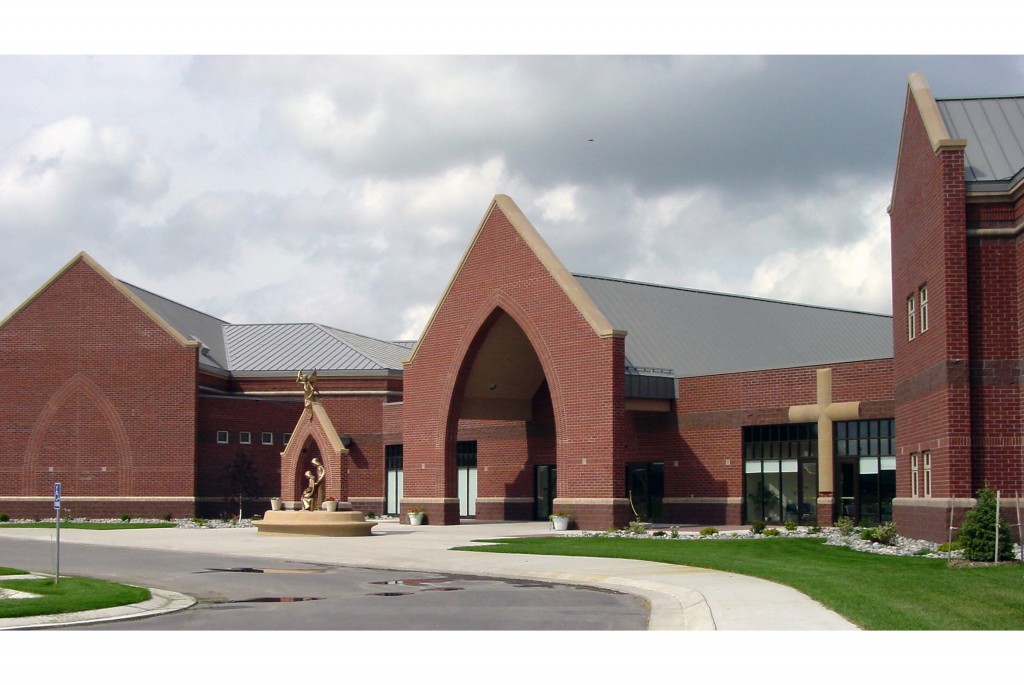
(866,470)
(645,488)
(780,473)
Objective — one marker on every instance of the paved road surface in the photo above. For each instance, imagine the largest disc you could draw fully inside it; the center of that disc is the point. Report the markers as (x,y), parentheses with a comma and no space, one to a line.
(251,593)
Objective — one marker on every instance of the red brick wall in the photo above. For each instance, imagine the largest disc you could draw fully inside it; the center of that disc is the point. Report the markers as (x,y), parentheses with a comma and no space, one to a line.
(584,372)
(931,372)
(995,367)
(98,397)
(702,443)
(214,485)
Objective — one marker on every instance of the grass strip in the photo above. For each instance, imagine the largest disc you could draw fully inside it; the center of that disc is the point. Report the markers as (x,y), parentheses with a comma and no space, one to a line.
(69,595)
(8,571)
(874,591)
(85,525)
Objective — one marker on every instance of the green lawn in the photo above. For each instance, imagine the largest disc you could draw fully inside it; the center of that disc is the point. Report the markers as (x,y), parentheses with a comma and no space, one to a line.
(85,525)
(873,591)
(8,571)
(69,595)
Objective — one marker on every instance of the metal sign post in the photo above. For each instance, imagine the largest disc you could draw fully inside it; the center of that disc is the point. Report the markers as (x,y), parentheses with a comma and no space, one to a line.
(56,508)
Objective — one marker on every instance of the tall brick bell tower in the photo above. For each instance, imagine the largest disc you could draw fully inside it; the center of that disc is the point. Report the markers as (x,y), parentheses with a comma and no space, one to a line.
(957,217)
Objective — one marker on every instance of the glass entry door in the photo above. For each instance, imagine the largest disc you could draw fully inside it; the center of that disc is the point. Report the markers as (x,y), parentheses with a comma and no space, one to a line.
(393,485)
(544,491)
(645,488)
(465,464)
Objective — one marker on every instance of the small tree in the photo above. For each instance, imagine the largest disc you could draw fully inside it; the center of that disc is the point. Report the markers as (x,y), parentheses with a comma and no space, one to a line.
(978,533)
(242,478)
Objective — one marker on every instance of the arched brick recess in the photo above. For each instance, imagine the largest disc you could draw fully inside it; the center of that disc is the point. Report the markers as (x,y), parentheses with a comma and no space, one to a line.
(78,385)
(311,426)
(474,334)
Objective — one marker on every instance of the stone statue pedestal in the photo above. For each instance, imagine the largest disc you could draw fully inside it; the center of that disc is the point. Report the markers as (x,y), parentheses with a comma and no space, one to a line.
(338,524)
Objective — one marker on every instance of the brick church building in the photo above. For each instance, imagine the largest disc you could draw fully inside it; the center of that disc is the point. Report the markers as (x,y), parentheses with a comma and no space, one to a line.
(534,390)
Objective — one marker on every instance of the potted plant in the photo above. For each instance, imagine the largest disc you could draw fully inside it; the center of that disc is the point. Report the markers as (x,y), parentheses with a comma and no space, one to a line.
(275,503)
(330,504)
(560,520)
(416,516)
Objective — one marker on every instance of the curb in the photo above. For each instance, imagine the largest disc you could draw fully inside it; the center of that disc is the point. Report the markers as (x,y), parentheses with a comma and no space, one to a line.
(162,602)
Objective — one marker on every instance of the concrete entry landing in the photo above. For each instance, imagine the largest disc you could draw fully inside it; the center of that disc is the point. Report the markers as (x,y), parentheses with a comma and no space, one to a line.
(338,524)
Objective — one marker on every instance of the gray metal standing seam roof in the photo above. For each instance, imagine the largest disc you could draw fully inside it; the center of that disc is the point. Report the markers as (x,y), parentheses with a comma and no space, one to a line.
(190,323)
(994,130)
(697,333)
(671,332)
(277,348)
(307,346)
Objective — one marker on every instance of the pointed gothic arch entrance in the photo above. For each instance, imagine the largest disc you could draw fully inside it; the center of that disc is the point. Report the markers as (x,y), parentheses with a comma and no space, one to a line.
(501,425)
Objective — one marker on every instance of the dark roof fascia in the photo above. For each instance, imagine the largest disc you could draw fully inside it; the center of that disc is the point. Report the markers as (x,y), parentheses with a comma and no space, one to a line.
(1006,186)
(321,373)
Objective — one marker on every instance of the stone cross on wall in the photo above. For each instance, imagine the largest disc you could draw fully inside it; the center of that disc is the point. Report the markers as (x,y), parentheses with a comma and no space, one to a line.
(824,413)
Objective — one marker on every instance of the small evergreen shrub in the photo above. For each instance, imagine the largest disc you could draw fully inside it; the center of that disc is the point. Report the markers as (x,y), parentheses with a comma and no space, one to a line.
(771,532)
(674,534)
(199,521)
(637,527)
(168,517)
(757,527)
(884,534)
(658,533)
(125,518)
(4,518)
(814,530)
(949,546)
(845,526)
(978,532)
(708,532)
(790,525)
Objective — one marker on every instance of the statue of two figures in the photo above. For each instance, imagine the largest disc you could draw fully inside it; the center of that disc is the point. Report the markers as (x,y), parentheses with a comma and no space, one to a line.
(313,495)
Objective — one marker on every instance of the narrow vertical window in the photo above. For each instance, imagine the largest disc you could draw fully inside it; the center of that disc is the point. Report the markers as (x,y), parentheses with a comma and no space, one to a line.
(913,476)
(286,438)
(222,437)
(911,328)
(922,297)
(268,438)
(245,437)
(927,474)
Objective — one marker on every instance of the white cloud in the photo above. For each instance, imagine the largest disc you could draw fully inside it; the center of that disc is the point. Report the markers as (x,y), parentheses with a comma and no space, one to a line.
(77,166)
(850,274)
(559,204)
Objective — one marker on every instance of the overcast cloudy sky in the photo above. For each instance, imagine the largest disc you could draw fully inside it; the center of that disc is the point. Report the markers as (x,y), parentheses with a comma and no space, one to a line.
(344,190)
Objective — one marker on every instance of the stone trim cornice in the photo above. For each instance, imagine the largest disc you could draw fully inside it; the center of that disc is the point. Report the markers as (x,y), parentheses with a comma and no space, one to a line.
(562,276)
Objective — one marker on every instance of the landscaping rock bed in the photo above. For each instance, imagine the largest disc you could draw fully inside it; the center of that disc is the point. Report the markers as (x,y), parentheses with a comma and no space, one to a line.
(907,547)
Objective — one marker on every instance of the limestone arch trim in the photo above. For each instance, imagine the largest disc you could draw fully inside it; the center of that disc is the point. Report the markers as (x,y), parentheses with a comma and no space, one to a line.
(315,424)
(579,298)
(499,301)
(121,445)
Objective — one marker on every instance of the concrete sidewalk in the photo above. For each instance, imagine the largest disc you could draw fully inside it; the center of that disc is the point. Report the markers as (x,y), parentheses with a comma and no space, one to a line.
(681,597)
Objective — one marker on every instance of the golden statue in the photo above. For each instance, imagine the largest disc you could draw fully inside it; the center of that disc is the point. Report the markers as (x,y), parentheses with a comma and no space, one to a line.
(308,383)
(309,493)
(313,495)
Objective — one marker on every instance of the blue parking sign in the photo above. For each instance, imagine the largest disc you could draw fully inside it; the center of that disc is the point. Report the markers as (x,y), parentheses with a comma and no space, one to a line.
(56,495)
